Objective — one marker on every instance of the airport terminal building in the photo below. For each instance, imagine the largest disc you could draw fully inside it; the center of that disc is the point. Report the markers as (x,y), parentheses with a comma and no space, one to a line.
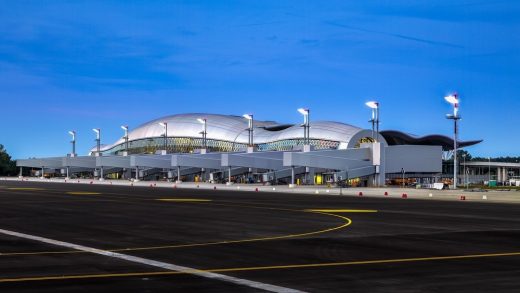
(227,148)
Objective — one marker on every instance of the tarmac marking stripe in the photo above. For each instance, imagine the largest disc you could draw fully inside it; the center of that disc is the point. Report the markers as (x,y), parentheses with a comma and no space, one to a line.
(25,188)
(83,193)
(343,211)
(184,199)
(347,222)
(154,263)
(244,269)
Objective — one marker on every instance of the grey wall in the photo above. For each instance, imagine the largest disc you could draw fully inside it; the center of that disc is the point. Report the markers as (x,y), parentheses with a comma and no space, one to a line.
(413,158)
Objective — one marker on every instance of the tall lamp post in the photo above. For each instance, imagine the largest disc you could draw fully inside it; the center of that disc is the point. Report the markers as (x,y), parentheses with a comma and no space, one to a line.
(465,175)
(454,100)
(489,171)
(125,128)
(98,140)
(73,142)
(249,118)
(375,119)
(305,125)
(204,131)
(165,134)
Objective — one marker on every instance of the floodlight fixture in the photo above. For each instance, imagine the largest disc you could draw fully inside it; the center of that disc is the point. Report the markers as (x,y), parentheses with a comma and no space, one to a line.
(375,118)
(306,125)
(249,118)
(453,99)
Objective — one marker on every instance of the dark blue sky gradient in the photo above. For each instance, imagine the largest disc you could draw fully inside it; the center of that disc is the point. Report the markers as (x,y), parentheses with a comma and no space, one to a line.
(79,65)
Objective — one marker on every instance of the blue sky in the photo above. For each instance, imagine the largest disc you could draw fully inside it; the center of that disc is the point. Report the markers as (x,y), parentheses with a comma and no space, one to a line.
(83,64)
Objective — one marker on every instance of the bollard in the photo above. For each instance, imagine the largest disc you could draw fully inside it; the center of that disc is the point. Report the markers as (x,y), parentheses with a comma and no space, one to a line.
(317,192)
(386,193)
(405,196)
(91,182)
(198,186)
(360,193)
(274,188)
(256,189)
(484,197)
(462,197)
(327,191)
(214,188)
(430,195)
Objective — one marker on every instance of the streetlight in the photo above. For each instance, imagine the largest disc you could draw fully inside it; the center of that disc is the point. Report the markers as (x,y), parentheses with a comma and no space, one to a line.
(306,125)
(98,139)
(165,134)
(204,131)
(454,100)
(125,128)
(249,118)
(73,142)
(375,118)
(465,175)
(489,171)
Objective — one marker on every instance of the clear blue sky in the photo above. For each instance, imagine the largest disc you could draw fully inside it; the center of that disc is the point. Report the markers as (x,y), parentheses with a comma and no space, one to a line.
(77,65)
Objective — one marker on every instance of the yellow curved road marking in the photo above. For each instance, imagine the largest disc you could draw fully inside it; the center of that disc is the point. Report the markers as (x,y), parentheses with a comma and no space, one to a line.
(83,193)
(347,222)
(249,269)
(343,211)
(184,199)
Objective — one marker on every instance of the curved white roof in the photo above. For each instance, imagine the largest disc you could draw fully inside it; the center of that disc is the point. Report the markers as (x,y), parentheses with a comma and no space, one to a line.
(234,129)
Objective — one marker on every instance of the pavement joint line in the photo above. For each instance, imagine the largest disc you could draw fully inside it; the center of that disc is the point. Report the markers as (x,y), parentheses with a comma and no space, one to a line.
(25,188)
(262,268)
(184,199)
(157,264)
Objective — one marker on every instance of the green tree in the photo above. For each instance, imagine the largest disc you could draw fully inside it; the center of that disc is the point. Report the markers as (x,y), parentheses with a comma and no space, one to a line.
(7,165)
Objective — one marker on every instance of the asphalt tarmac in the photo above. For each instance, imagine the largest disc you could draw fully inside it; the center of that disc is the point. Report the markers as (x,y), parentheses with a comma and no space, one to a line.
(93,238)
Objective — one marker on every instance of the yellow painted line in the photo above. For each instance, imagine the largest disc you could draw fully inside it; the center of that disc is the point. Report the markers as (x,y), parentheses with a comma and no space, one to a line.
(342,211)
(83,193)
(25,188)
(184,199)
(248,269)
(347,222)
(40,253)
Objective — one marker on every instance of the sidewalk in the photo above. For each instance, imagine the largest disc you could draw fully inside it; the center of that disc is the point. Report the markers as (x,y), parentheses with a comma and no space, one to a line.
(391,192)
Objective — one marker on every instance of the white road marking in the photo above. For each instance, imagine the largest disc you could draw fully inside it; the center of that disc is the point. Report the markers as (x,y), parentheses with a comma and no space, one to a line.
(154,263)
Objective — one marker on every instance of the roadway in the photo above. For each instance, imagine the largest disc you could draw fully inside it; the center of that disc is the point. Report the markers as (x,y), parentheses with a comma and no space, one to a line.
(92,238)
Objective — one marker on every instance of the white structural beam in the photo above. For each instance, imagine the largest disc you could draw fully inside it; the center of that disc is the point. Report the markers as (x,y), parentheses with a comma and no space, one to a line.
(259,160)
(208,161)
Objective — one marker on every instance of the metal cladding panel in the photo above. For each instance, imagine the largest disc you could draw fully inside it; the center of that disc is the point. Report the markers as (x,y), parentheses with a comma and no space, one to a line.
(113,161)
(262,160)
(334,160)
(82,162)
(43,162)
(210,161)
(234,129)
(152,161)
(413,159)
